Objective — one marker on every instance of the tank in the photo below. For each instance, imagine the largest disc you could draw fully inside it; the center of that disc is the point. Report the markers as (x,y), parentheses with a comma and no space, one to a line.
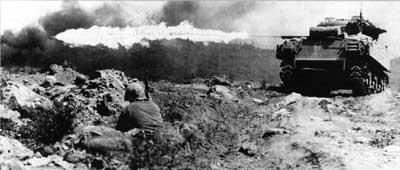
(337,54)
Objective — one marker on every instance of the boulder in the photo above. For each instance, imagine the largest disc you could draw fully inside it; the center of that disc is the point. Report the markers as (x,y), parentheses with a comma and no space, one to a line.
(248,148)
(221,80)
(13,149)
(75,157)
(81,79)
(63,75)
(15,156)
(258,101)
(11,165)
(49,81)
(9,114)
(50,162)
(273,131)
(225,92)
(23,95)
(291,98)
(113,79)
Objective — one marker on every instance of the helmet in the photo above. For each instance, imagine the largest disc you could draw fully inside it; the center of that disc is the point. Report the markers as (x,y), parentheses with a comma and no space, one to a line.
(134,91)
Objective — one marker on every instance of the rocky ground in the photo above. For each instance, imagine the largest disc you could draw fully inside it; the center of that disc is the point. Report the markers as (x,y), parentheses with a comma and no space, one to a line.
(237,126)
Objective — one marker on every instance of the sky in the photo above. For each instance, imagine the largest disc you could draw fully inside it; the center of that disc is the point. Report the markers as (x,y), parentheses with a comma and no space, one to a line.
(267,18)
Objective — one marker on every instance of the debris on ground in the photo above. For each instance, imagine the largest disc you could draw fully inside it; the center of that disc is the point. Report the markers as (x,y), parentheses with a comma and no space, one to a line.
(204,126)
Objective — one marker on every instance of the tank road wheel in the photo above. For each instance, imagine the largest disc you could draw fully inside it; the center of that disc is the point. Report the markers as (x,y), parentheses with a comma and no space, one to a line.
(360,80)
(286,76)
(383,81)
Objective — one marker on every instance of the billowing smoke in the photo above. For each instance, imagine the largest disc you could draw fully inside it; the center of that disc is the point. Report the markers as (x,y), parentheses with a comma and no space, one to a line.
(209,15)
(72,16)
(176,36)
(198,22)
(25,47)
(31,43)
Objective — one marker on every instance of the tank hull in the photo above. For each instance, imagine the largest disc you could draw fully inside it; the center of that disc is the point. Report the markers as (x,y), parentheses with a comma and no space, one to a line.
(322,66)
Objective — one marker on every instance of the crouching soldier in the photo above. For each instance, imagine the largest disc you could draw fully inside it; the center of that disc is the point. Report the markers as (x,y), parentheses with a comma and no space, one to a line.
(141,115)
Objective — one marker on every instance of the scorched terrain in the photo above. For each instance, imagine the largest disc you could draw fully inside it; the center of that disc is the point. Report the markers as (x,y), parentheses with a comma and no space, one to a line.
(241,126)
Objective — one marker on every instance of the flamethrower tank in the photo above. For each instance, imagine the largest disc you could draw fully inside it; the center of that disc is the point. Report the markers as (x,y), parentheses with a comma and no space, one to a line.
(337,54)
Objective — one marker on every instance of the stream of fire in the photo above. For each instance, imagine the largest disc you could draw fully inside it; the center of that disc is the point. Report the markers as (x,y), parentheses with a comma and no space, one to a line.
(114,36)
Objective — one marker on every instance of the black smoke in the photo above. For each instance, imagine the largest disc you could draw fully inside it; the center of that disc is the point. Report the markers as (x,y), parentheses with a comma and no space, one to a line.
(71,16)
(31,45)
(176,60)
(211,15)
(24,48)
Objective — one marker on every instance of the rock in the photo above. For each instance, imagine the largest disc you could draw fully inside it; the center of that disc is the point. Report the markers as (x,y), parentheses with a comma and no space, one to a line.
(38,89)
(81,79)
(224,92)
(324,104)
(11,148)
(132,132)
(47,162)
(273,131)
(248,148)
(63,75)
(221,80)
(36,162)
(11,165)
(75,157)
(362,140)
(23,95)
(114,78)
(281,113)
(187,130)
(259,101)
(13,155)
(9,114)
(59,91)
(165,160)
(356,128)
(48,150)
(291,98)
(49,81)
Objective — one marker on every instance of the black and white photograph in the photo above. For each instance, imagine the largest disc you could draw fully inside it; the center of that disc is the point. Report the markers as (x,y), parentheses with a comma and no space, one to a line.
(210,84)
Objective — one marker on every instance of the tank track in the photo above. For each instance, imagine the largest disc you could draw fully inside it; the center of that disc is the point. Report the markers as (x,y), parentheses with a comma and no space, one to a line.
(367,82)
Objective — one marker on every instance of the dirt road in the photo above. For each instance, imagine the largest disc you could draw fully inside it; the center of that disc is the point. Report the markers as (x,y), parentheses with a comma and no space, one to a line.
(324,133)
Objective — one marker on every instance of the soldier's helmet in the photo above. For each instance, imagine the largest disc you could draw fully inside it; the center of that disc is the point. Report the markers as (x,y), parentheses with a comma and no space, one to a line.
(134,91)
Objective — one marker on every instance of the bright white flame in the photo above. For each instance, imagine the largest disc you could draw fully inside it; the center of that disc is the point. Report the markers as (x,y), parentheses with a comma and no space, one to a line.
(112,36)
